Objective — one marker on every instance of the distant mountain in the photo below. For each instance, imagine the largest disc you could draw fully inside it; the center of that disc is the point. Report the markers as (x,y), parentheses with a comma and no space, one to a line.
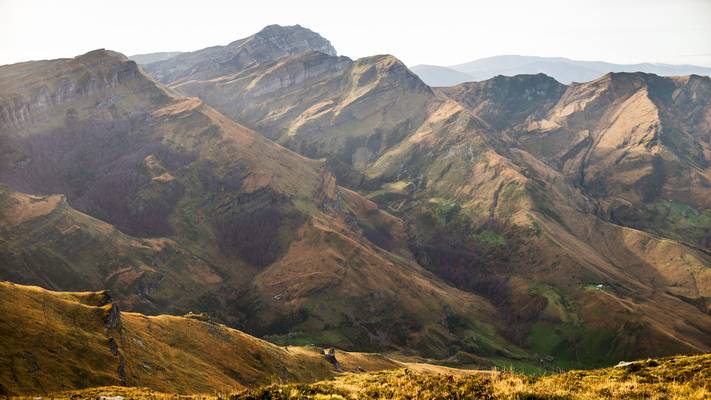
(272,42)
(153,57)
(437,76)
(564,70)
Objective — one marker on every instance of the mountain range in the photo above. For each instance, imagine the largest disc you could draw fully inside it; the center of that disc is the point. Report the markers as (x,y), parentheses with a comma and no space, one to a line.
(563,70)
(307,198)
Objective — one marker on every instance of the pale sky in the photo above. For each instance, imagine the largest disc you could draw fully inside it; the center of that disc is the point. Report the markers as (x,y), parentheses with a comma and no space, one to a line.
(442,32)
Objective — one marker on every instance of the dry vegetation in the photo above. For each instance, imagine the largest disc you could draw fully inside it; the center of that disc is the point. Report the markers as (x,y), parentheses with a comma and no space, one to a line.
(56,341)
(669,378)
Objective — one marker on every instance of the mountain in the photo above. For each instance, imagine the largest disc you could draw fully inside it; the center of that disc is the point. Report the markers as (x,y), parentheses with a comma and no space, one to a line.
(515,218)
(115,182)
(153,57)
(578,211)
(270,43)
(437,76)
(54,341)
(562,69)
(625,138)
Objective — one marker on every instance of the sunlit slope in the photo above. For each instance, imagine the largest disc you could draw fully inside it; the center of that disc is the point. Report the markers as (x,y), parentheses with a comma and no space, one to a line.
(69,340)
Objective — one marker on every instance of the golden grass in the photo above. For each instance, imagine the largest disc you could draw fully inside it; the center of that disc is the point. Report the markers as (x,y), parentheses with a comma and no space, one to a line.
(58,341)
(684,377)
(114,391)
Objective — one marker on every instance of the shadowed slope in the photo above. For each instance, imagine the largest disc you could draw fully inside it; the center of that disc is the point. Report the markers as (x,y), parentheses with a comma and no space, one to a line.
(257,235)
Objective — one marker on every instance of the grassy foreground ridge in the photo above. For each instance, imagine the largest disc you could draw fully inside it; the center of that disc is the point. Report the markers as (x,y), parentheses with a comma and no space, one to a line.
(681,377)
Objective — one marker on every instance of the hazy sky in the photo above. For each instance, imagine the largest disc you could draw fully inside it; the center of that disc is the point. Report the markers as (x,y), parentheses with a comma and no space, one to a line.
(443,32)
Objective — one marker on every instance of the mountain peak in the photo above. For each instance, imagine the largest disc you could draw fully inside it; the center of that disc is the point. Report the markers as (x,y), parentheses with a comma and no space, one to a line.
(269,44)
(629,82)
(387,65)
(627,75)
(106,59)
(537,78)
(292,38)
(507,100)
(102,54)
(282,29)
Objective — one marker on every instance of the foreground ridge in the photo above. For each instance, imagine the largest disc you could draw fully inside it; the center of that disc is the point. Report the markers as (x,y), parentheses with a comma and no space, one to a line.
(683,377)
(680,377)
(56,341)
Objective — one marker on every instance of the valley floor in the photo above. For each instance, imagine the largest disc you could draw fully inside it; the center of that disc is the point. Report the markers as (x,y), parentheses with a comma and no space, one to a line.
(682,377)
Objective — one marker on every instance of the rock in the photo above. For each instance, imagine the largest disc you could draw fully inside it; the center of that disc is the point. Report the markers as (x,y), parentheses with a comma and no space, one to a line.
(121,369)
(112,318)
(330,356)
(104,298)
(624,363)
(201,316)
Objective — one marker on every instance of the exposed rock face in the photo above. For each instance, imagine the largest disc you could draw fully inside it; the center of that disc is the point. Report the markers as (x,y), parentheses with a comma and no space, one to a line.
(330,356)
(269,44)
(121,368)
(63,95)
(112,318)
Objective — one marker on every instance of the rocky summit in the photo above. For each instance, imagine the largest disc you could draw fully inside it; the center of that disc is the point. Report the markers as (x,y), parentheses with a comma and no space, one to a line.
(265,211)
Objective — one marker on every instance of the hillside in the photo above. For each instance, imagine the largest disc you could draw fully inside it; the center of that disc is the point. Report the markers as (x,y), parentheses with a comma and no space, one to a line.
(636,143)
(121,184)
(542,198)
(52,341)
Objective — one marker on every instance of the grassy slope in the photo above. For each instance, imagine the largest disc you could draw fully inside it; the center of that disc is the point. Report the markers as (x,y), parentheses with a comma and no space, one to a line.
(48,243)
(683,377)
(669,378)
(52,341)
